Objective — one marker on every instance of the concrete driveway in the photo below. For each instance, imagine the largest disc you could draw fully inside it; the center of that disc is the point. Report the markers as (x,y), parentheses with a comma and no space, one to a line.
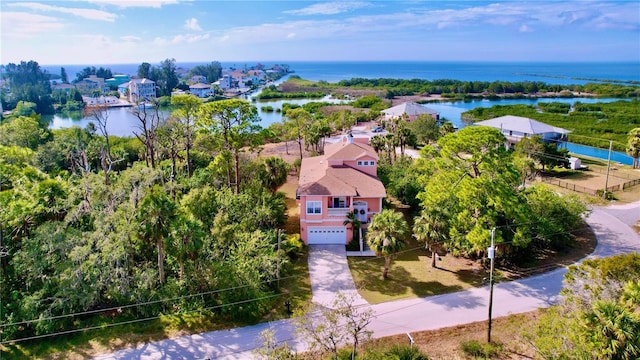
(329,274)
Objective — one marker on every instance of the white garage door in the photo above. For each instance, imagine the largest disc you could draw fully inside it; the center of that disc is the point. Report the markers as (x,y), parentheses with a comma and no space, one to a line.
(327,235)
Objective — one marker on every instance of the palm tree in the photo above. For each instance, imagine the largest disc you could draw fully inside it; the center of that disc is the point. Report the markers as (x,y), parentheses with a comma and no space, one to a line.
(356,226)
(377,143)
(613,330)
(386,236)
(633,146)
(274,173)
(429,228)
(155,215)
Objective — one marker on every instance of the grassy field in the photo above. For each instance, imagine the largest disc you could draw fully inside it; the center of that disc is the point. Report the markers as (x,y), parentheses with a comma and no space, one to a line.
(595,178)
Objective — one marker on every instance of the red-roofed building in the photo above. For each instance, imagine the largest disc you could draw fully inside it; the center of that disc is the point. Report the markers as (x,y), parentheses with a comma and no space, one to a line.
(342,180)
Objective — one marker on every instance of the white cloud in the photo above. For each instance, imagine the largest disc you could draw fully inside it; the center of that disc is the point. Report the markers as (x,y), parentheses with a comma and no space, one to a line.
(130,38)
(179,39)
(511,16)
(22,25)
(192,24)
(135,3)
(328,8)
(90,14)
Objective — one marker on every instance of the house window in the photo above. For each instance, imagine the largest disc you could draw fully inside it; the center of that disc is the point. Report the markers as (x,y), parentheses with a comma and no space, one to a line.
(359,162)
(366,163)
(340,202)
(314,207)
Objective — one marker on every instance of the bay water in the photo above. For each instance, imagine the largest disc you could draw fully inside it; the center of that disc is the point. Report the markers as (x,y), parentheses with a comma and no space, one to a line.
(123,123)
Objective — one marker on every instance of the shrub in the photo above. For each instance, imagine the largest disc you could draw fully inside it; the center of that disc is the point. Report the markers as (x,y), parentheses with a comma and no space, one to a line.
(293,246)
(405,352)
(476,349)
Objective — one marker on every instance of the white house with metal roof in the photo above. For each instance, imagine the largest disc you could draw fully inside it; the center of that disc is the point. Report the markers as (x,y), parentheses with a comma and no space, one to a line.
(515,128)
(409,109)
(200,90)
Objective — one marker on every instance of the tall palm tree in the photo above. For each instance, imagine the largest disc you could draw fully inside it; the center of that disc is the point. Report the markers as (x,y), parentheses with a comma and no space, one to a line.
(356,225)
(387,235)
(155,215)
(430,228)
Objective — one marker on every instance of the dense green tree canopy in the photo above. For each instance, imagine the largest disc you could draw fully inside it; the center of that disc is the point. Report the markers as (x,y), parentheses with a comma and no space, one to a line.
(28,82)
(212,71)
(597,317)
(472,184)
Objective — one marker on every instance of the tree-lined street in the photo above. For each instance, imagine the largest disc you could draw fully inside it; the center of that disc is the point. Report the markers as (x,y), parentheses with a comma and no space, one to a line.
(406,316)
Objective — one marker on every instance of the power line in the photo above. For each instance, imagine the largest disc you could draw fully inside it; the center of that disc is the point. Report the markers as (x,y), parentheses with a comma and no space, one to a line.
(202,294)
(116,308)
(66,332)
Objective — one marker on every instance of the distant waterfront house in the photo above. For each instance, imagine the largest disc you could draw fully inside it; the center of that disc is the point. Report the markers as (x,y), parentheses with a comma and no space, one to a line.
(198,79)
(63,87)
(90,84)
(117,80)
(409,109)
(100,100)
(515,128)
(141,90)
(200,90)
(123,89)
(343,180)
(226,82)
(257,76)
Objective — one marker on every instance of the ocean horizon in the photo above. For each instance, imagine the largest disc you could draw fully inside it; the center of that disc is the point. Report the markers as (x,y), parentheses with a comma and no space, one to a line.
(334,71)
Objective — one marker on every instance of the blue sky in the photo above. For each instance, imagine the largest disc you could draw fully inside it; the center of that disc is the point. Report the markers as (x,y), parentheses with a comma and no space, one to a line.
(128,31)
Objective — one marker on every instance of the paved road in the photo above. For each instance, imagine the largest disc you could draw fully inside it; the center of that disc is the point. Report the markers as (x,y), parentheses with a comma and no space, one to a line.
(397,317)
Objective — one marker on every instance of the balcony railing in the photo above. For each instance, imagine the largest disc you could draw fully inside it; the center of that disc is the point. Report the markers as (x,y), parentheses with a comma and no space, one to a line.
(341,212)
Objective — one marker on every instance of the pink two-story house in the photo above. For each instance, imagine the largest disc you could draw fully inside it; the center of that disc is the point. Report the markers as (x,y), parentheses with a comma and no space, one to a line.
(342,180)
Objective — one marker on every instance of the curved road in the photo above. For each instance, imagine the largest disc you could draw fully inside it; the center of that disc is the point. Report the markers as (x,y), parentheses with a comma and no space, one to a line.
(611,226)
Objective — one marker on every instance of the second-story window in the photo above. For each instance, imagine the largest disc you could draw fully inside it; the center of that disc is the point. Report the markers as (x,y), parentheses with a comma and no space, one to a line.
(314,207)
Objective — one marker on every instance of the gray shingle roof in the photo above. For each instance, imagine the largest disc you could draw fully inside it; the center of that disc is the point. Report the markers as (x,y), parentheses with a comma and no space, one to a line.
(409,108)
(522,125)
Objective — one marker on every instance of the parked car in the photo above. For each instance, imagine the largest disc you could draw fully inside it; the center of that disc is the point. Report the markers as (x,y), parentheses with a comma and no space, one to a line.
(377,129)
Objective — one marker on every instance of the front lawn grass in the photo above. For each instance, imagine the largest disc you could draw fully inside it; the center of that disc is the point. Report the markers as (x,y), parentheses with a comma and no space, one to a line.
(411,275)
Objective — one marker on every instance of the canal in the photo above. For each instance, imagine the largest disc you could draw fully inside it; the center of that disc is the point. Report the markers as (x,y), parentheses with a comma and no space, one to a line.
(122,122)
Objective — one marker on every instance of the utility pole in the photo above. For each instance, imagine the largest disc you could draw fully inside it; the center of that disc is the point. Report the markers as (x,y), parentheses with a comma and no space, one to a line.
(278,265)
(491,252)
(3,253)
(606,181)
